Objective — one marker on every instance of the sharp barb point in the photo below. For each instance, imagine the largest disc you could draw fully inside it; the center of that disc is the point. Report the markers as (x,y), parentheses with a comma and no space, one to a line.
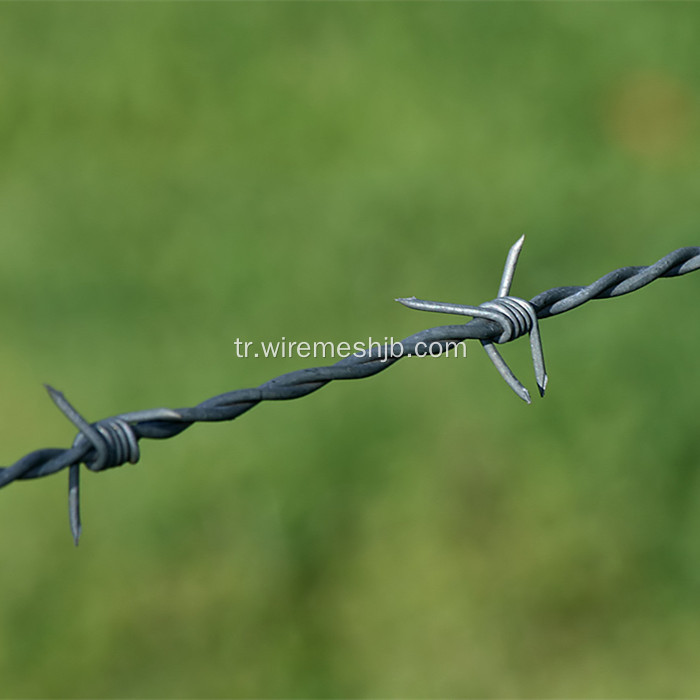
(509,268)
(74,502)
(537,353)
(505,371)
(53,393)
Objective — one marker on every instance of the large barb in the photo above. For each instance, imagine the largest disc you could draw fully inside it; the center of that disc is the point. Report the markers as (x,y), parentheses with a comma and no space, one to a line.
(515,317)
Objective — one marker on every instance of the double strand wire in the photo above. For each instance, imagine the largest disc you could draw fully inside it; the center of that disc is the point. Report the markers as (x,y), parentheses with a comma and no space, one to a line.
(114,441)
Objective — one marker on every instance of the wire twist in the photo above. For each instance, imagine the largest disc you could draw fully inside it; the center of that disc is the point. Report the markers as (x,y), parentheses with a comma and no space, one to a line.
(116,445)
(516,317)
(114,441)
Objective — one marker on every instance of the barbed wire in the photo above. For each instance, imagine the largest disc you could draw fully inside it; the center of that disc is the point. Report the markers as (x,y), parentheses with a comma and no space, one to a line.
(114,441)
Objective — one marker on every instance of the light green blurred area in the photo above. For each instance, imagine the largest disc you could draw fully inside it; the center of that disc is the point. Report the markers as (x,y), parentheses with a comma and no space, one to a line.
(175,176)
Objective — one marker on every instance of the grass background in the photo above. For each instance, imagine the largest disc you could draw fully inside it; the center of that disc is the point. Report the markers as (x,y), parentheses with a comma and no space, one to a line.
(177,175)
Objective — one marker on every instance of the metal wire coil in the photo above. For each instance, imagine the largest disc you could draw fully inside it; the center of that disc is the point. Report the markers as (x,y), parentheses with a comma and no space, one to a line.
(515,316)
(116,445)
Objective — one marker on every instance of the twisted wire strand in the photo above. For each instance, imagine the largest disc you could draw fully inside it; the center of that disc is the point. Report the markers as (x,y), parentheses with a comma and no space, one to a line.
(115,440)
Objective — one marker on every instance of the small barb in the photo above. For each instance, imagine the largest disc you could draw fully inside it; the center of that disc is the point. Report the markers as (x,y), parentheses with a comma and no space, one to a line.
(509,268)
(74,502)
(74,470)
(500,364)
(446,308)
(538,355)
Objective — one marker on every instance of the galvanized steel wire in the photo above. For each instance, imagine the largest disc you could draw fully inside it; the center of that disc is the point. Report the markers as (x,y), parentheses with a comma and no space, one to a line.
(114,441)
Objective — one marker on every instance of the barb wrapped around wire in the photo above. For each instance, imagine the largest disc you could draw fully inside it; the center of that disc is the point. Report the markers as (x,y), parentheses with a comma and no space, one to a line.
(514,316)
(114,441)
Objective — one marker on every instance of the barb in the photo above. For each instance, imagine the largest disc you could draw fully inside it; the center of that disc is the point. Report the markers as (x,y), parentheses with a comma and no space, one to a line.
(114,441)
(514,316)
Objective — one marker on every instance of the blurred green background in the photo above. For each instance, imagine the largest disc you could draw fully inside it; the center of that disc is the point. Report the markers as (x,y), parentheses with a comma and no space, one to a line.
(175,176)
